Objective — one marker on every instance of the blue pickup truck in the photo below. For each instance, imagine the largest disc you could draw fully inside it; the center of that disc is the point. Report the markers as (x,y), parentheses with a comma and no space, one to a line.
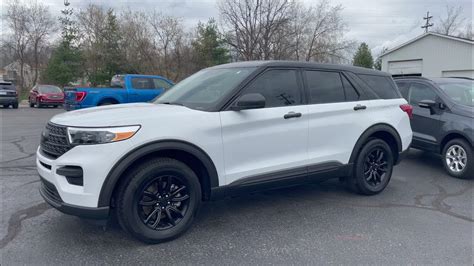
(123,89)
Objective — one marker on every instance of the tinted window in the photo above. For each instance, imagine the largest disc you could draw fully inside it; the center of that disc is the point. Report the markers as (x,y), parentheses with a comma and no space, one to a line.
(7,86)
(325,87)
(460,92)
(381,85)
(159,83)
(351,92)
(403,87)
(419,92)
(279,87)
(142,83)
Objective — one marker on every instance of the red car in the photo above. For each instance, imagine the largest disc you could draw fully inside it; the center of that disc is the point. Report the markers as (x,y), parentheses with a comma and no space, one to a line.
(46,95)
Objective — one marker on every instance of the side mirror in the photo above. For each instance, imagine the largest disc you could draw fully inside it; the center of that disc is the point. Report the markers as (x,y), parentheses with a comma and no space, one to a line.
(249,101)
(428,104)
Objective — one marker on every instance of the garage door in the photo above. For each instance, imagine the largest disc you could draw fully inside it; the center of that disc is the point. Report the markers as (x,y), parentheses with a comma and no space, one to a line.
(405,67)
(459,73)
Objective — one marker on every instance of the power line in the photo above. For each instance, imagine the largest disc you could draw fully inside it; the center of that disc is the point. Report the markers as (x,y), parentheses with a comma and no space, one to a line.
(427,24)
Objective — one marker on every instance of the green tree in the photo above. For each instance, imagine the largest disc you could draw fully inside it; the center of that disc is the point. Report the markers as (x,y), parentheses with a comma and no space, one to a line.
(363,57)
(208,46)
(64,65)
(378,61)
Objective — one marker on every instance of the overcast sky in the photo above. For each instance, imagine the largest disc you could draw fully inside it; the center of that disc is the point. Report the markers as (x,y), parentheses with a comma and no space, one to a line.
(378,22)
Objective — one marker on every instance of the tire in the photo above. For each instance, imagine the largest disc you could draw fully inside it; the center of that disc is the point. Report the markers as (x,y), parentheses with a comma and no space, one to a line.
(372,170)
(55,106)
(106,102)
(137,213)
(15,106)
(459,152)
(32,105)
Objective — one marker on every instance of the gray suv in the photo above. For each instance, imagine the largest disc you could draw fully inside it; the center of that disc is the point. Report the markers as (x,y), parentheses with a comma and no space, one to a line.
(443,112)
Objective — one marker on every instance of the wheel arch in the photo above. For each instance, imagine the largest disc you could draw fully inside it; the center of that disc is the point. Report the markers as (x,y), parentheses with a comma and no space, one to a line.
(198,160)
(382,131)
(108,99)
(450,136)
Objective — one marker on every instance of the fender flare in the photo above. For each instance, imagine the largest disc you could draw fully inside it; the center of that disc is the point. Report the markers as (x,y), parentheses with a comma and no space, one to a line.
(386,128)
(126,161)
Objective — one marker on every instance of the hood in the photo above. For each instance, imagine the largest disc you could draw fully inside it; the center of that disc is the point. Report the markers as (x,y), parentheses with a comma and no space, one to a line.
(118,115)
(463,110)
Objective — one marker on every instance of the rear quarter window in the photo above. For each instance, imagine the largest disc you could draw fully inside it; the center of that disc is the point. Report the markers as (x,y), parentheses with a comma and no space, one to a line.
(383,86)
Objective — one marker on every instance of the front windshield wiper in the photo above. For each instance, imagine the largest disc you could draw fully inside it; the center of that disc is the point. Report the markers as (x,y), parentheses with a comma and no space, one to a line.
(173,103)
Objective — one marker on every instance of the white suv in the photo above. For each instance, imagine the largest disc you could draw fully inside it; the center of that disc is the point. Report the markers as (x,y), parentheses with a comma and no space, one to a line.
(226,129)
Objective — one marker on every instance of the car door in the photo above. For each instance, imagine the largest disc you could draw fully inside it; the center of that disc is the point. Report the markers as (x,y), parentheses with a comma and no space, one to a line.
(425,125)
(270,141)
(337,118)
(142,89)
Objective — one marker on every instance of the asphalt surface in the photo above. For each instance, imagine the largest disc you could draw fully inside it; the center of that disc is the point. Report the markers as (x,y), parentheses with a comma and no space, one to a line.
(423,217)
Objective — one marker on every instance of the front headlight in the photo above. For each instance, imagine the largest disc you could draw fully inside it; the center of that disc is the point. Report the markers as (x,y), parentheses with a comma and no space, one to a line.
(78,135)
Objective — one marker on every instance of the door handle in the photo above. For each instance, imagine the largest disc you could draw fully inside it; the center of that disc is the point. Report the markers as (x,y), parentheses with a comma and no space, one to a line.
(359,107)
(292,115)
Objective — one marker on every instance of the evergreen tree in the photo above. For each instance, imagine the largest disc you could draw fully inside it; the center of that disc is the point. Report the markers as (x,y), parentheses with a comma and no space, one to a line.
(363,57)
(209,47)
(64,65)
(378,61)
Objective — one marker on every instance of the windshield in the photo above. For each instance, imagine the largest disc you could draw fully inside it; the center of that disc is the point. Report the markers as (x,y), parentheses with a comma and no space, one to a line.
(206,88)
(49,89)
(460,92)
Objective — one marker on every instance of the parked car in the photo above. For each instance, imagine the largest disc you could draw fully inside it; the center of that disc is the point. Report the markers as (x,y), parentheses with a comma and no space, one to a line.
(123,89)
(8,95)
(225,130)
(46,95)
(443,119)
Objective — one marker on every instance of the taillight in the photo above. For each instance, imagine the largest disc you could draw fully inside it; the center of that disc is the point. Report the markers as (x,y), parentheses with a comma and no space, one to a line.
(407,109)
(80,95)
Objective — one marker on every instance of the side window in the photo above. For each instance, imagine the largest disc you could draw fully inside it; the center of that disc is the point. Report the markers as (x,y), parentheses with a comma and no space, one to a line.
(159,83)
(142,83)
(351,93)
(325,87)
(420,92)
(381,85)
(403,87)
(279,87)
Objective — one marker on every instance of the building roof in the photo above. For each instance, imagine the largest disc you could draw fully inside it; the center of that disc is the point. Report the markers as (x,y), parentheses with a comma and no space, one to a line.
(428,34)
(301,64)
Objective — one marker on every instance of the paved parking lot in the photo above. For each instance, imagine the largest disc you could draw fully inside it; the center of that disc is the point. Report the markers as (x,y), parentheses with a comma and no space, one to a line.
(424,216)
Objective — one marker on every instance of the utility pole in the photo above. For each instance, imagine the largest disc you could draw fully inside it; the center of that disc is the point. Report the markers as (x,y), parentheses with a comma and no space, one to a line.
(427,24)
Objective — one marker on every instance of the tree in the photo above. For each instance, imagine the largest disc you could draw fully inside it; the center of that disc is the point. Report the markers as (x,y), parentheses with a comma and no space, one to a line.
(378,61)
(363,57)
(451,24)
(17,17)
(208,46)
(66,62)
(39,26)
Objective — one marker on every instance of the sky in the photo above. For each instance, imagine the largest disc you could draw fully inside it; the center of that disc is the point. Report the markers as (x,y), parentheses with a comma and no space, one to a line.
(379,23)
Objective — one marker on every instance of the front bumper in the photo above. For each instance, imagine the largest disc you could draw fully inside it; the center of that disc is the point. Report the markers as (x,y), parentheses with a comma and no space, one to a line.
(80,199)
(50,194)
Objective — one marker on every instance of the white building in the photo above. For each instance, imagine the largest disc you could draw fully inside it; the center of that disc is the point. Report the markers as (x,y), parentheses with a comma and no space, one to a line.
(431,55)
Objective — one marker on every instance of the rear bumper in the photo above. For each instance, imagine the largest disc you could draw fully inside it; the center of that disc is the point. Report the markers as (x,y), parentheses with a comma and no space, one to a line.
(72,106)
(50,194)
(8,100)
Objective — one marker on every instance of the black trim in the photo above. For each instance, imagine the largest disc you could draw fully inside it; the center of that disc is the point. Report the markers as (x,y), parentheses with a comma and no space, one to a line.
(126,161)
(49,193)
(369,132)
(401,156)
(73,174)
(284,178)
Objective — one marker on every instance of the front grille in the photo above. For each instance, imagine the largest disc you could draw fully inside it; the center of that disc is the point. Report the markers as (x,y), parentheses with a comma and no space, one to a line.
(50,191)
(54,141)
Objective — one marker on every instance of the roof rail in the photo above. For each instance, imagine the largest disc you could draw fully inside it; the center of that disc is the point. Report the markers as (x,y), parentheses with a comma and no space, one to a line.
(409,77)
(461,78)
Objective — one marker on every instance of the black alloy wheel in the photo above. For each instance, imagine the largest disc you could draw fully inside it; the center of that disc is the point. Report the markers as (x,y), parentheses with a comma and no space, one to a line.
(163,202)
(376,167)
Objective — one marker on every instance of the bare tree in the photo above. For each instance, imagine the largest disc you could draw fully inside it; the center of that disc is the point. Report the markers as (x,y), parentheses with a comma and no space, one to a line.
(17,19)
(168,35)
(451,23)
(252,24)
(39,26)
